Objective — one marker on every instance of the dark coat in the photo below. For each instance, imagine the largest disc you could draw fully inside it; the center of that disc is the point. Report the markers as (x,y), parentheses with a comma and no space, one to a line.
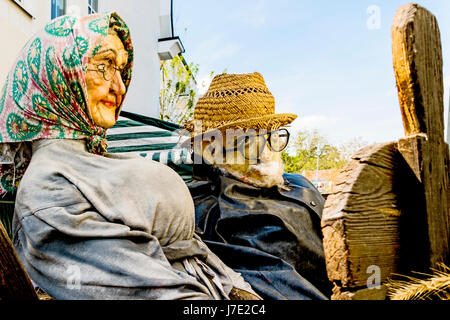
(271,236)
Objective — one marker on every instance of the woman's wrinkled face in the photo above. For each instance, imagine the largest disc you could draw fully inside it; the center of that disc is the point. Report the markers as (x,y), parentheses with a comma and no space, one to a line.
(104,83)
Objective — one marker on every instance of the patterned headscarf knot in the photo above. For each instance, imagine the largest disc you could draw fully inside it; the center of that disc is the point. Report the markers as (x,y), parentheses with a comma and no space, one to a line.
(97,143)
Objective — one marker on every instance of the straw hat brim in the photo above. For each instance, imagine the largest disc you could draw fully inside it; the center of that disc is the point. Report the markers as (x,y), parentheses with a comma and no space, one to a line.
(269,122)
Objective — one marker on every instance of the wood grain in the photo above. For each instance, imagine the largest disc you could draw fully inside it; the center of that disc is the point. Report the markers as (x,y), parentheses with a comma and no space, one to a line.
(375,217)
(361,218)
(390,208)
(362,294)
(14,281)
(417,57)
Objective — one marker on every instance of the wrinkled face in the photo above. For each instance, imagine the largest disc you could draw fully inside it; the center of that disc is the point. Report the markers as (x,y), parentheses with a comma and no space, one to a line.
(104,83)
(265,172)
(252,161)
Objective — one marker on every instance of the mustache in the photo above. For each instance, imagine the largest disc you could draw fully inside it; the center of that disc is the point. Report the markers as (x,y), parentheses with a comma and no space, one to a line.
(267,168)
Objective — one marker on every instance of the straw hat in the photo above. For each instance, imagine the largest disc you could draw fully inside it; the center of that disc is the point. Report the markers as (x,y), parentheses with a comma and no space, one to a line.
(237,101)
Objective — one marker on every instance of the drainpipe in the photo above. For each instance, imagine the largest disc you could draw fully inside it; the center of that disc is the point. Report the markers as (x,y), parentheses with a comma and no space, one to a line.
(171,17)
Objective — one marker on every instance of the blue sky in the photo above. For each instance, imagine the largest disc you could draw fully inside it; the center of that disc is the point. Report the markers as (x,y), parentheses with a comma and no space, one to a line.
(319,58)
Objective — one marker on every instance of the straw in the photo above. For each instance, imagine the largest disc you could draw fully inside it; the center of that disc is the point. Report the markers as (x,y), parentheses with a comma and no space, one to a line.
(434,287)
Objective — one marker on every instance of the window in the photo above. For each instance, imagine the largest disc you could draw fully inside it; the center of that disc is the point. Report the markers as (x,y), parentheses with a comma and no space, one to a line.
(92,6)
(58,8)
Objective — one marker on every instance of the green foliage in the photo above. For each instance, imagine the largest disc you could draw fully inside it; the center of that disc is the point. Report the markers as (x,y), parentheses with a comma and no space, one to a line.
(178,90)
(308,146)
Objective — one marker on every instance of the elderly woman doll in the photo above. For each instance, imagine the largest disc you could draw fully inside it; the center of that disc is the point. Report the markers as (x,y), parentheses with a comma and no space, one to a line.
(87,224)
(261,222)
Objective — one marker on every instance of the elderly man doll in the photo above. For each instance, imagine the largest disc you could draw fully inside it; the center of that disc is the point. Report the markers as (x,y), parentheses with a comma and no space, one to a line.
(261,222)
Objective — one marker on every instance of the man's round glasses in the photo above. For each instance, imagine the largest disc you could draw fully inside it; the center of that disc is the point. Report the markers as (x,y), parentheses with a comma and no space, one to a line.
(108,70)
(251,146)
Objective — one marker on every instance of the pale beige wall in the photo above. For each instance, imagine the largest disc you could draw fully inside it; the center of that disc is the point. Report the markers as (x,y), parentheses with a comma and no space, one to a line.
(41,10)
(15,30)
(17,27)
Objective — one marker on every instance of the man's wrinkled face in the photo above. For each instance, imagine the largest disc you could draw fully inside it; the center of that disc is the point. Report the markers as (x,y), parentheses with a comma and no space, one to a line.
(104,83)
(251,160)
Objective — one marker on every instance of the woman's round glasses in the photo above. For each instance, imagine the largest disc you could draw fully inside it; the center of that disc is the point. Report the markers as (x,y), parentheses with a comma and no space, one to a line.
(251,146)
(108,70)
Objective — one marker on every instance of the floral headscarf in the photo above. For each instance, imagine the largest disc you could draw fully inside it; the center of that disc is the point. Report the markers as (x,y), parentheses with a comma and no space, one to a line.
(45,95)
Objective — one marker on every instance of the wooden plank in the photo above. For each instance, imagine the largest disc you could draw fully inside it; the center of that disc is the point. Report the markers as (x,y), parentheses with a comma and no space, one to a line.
(417,56)
(362,294)
(14,281)
(361,218)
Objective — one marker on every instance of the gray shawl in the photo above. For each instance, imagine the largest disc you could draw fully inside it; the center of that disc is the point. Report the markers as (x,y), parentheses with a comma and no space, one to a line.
(112,227)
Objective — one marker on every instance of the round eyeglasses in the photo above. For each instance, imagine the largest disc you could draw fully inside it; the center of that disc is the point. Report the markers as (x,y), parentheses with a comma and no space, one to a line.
(108,70)
(251,146)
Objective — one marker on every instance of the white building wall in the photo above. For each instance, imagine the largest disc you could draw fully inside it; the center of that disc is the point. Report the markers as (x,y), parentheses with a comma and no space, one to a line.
(142,17)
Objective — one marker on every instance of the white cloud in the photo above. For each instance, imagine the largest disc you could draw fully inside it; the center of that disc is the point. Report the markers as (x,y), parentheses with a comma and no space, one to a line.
(254,15)
(214,49)
(227,51)
(312,122)
(391,93)
(323,124)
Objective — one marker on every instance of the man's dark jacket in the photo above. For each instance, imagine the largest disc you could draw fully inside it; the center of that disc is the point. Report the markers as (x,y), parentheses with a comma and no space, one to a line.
(271,236)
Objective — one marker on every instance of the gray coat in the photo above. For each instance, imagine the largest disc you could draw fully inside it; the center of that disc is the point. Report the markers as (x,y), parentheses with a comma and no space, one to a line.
(112,227)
